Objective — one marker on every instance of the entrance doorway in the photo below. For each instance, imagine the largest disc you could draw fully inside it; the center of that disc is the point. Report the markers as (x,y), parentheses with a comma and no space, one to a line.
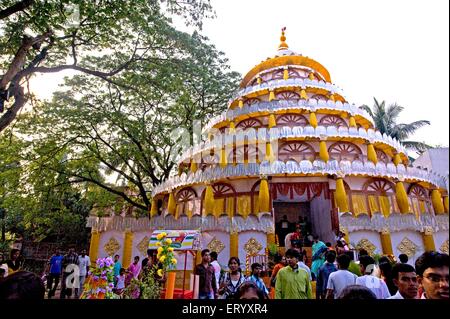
(288,215)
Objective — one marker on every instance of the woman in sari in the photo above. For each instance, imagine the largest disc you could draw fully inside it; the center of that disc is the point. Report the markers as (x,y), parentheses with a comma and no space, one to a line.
(318,255)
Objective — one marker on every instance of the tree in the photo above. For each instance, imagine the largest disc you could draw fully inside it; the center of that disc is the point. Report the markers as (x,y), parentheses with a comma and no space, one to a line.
(121,137)
(386,121)
(43,36)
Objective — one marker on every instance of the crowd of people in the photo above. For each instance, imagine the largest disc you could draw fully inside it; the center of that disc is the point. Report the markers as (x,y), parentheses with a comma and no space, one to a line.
(335,274)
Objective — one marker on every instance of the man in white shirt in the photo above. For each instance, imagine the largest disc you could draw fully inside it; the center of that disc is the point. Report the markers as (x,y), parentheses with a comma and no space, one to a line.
(216,266)
(375,284)
(405,278)
(302,265)
(339,280)
(83,263)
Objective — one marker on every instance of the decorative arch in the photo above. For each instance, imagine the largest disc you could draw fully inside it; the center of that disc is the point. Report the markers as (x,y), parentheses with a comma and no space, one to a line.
(344,151)
(420,199)
(209,160)
(252,101)
(223,190)
(332,120)
(418,191)
(379,186)
(249,123)
(292,120)
(185,195)
(287,95)
(277,75)
(319,97)
(249,152)
(296,150)
(382,156)
(225,195)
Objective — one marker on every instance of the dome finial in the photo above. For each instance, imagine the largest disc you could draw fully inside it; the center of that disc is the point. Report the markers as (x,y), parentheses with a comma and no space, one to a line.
(283,45)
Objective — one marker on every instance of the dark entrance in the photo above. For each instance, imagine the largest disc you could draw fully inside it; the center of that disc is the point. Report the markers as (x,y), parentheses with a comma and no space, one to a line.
(287,215)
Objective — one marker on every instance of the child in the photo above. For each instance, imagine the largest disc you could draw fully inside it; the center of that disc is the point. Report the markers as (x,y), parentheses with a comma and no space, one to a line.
(120,285)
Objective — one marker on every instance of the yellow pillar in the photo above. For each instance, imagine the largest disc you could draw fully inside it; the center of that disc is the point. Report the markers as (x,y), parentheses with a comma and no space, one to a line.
(93,248)
(386,242)
(127,249)
(198,257)
(428,240)
(234,244)
(437,202)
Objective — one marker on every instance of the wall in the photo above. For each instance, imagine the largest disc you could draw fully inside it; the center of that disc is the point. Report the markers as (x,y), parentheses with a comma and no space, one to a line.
(105,237)
(439,239)
(224,237)
(244,237)
(415,237)
(373,237)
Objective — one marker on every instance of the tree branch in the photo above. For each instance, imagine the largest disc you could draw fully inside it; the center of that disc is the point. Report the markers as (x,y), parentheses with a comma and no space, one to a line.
(20,6)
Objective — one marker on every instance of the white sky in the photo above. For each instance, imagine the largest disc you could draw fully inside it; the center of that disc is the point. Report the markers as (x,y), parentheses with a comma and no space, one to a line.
(395,50)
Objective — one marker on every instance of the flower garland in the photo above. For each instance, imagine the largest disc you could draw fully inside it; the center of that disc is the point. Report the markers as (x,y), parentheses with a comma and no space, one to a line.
(166,256)
(100,281)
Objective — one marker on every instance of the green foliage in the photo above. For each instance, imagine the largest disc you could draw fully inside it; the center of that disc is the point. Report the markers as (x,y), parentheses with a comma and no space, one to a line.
(273,249)
(386,121)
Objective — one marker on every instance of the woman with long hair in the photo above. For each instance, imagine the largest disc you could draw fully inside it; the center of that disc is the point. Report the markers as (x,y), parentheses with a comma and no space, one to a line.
(230,282)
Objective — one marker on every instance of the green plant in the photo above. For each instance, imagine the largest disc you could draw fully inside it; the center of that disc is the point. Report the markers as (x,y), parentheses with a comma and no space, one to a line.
(150,287)
(273,249)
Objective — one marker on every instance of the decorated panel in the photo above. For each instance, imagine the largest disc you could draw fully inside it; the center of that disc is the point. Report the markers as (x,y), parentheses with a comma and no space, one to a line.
(409,243)
(111,243)
(219,242)
(369,240)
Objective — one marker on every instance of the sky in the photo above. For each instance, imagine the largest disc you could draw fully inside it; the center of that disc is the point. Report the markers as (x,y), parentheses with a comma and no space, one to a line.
(395,50)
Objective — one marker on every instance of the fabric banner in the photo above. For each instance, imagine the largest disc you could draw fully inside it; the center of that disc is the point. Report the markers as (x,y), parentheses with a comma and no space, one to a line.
(181,239)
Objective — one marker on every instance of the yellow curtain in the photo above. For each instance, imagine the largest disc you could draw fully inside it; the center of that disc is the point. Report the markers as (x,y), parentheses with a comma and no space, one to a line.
(244,206)
(385,205)
(394,204)
(415,207)
(230,206)
(422,207)
(359,204)
(255,204)
(373,204)
(219,204)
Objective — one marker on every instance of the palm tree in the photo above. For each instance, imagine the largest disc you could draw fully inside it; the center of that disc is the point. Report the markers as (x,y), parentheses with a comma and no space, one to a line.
(385,119)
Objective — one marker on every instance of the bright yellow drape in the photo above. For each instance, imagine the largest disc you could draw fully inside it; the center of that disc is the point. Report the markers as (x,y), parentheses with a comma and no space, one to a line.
(172,205)
(230,206)
(255,204)
(371,153)
(437,202)
(374,208)
(272,121)
(359,204)
(402,198)
(244,206)
(219,204)
(264,196)
(208,204)
(446,204)
(323,152)
(385,205)
(313,119)
(422,207)
(341,196)
(352,122)
(154,208)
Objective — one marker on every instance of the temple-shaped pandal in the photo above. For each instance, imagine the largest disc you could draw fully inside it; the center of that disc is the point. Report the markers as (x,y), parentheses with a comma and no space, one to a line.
(291,144)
